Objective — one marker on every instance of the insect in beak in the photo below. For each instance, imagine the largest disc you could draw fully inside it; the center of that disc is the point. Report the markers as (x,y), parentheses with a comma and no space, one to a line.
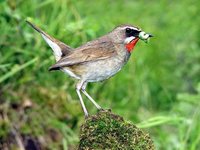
(145,36)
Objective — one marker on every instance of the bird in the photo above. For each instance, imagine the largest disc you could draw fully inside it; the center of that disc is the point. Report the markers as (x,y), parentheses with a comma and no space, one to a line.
(96,60)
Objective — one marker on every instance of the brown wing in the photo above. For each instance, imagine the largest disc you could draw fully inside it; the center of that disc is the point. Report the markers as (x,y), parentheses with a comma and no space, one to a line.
(92,51)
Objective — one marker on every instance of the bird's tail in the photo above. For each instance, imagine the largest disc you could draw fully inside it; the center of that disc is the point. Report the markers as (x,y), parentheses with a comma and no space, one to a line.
(59,48)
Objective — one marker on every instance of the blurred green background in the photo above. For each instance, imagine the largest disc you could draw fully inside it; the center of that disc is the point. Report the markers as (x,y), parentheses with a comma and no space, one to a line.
(158,90)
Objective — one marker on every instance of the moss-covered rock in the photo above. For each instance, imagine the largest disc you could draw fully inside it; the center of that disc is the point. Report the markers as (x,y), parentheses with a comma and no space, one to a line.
(106,130)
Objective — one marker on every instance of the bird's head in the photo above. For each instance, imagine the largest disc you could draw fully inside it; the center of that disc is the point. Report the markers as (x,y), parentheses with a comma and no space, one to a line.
(129,36)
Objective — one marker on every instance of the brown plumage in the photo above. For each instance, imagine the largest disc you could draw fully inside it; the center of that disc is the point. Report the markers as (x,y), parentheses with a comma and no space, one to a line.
(97,50)
(96,60)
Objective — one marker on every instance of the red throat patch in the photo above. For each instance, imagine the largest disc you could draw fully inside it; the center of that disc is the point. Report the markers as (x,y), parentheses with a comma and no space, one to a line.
(131,45)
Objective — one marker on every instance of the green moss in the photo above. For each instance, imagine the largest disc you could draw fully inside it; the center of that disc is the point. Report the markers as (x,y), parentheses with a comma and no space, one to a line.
(109,131)
(4,128)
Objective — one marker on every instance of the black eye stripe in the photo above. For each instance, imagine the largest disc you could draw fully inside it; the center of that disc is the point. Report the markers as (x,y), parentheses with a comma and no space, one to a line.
(128,30)
(131,32)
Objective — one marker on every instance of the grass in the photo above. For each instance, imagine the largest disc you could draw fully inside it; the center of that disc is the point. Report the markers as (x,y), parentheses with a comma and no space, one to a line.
(158,89)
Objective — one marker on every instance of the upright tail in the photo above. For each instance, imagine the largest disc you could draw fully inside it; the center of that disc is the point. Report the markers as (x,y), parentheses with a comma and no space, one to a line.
(59,48)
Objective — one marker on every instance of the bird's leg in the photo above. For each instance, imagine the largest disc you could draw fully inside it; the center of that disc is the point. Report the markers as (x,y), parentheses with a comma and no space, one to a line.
(78,88)
(89,97)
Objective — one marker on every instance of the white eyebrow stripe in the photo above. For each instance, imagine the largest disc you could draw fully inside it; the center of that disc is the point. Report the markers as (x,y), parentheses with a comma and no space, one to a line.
(132,28)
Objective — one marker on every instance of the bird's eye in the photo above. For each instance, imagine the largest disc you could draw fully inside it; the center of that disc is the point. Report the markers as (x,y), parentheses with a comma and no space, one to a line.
(128,30)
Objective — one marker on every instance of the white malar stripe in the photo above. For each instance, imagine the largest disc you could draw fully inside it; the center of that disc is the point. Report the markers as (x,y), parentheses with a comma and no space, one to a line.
(56,49)
(129,39)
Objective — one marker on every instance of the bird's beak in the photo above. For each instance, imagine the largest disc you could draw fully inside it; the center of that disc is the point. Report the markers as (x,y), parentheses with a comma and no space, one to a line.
(145,36)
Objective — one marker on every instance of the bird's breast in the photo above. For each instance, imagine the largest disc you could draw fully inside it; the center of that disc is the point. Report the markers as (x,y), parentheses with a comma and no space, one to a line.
(104,69)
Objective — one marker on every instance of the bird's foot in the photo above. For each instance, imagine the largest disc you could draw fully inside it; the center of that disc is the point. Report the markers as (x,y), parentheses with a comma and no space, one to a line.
(86,116)
(100,110)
